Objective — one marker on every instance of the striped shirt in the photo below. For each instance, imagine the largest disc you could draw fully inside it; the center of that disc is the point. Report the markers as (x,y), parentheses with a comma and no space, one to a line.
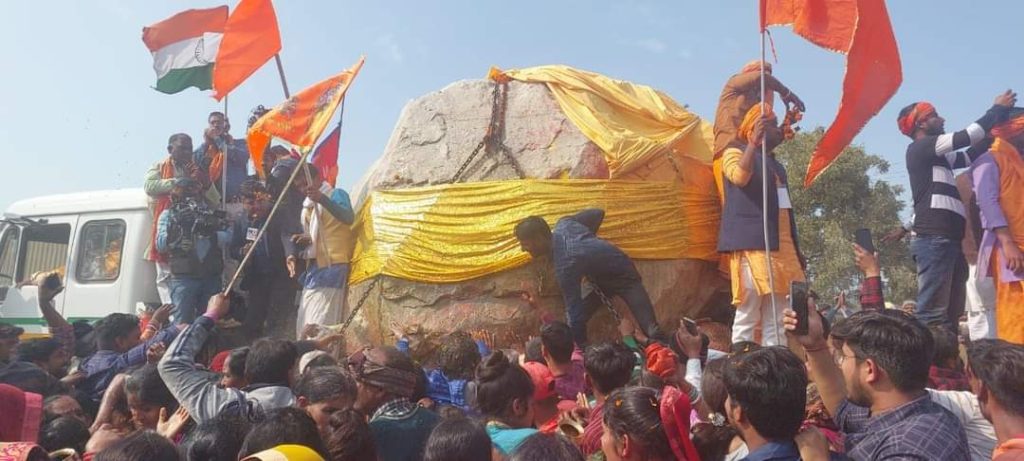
(938,209)
(981,437)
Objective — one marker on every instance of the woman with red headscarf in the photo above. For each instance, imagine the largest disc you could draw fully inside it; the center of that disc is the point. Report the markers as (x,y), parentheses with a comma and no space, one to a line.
(643,424)
(22,412)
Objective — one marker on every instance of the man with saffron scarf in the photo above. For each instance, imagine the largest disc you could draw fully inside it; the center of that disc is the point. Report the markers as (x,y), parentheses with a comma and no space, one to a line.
(741,92)
(160,181)
(741,234)
(999,183)
(939,214)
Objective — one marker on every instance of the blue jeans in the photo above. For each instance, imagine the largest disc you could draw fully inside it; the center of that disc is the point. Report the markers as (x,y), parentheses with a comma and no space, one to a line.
(941,280)
(190,295)
(636,298)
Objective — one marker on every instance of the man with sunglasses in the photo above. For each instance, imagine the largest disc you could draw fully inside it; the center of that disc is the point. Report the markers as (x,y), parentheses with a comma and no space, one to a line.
(386,380)
(871,376)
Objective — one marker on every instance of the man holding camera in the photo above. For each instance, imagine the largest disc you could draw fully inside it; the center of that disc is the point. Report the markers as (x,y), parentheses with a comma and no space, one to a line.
(189,236)
(160,181)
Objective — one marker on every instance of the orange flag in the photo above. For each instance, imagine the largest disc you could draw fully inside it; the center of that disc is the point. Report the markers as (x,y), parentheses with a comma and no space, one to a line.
(861,30)
(251,38)
(302,118)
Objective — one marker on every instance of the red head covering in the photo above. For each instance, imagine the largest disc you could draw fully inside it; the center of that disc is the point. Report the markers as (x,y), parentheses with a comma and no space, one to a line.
(1012,127)
(675,410)
(218,361)
(22,413)
(543,380)
(661,360)
(908,122)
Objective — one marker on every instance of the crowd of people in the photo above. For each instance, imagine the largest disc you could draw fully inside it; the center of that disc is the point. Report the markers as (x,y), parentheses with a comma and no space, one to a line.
(871,383)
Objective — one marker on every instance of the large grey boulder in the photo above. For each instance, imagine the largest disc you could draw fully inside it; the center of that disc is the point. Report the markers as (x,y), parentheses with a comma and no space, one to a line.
(434,136)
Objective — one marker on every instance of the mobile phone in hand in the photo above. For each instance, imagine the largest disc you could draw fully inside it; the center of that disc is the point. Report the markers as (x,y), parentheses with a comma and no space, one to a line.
(52,281)
(798,303)
(691,326)
(863,238)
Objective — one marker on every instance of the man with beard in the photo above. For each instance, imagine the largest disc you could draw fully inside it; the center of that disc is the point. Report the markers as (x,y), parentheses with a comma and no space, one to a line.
(939,214)
(872,375)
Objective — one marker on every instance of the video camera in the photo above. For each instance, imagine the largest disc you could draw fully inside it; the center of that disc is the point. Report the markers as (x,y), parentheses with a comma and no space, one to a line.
(190,218)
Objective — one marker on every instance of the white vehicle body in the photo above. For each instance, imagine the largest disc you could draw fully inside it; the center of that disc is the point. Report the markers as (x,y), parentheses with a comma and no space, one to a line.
(97,240)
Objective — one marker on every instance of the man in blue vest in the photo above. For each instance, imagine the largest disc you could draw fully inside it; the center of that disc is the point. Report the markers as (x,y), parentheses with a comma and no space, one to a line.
(741,234)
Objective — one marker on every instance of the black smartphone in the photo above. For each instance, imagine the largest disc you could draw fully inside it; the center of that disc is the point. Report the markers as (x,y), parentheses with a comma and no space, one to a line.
(52,281)
(691,326)
(863,238)
(798,303)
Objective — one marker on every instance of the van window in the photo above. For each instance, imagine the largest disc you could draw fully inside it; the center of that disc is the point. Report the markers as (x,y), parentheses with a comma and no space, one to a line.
(44,248)
(8,259)
(99,254)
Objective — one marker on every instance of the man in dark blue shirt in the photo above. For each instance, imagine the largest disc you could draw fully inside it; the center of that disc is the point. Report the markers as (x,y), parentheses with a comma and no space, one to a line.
(577,252)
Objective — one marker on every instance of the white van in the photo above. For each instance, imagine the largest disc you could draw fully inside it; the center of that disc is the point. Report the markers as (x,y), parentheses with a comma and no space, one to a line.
(97,240)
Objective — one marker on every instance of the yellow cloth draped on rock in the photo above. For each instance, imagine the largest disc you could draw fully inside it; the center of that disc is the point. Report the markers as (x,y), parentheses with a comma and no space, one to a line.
(456,232)
(631,123)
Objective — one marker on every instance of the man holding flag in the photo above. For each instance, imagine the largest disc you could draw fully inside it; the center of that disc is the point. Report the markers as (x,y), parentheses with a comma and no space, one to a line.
(327,217)
(741,234)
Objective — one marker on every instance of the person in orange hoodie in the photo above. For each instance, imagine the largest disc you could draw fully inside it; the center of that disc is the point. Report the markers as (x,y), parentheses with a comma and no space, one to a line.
(995,369)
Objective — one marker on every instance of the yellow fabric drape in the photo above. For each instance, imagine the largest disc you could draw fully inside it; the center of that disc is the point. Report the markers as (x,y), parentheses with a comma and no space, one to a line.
(631,123)
(456,232)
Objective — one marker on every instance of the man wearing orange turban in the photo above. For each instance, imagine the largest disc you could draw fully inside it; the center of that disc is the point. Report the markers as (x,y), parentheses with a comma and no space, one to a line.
(741,234)
(939,212)
(739,94)
(999,184)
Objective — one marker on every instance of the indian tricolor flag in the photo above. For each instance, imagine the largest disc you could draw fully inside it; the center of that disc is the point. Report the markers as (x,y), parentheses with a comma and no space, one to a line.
(184,48)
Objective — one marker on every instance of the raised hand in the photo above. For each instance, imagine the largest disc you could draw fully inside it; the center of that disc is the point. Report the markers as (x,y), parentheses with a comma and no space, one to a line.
(1007,99)
(867,262)
(155,352)
(162,314)
(690,343)
(169,426)
(815,337)
(219,306)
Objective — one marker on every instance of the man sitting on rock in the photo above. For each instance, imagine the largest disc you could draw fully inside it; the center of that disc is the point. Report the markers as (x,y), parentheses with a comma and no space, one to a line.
(577,252)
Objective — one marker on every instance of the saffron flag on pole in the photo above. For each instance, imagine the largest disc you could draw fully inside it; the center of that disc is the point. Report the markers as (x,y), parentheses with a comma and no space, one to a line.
(325,157)
(251,38)
(184,47)
(861,30)
(302,118)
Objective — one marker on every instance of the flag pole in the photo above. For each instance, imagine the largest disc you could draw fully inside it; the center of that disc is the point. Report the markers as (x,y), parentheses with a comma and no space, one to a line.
(764,195)
(224,166)
(280,72)
(263,229)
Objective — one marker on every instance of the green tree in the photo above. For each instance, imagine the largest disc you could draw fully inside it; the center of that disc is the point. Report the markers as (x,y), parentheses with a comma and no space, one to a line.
(846,197)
